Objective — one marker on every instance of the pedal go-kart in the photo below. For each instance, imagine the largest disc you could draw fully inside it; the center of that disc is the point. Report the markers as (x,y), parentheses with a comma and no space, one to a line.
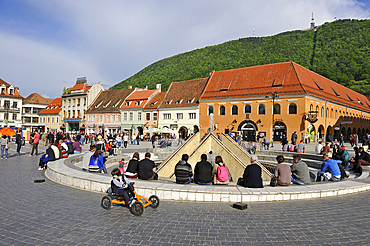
(137,207)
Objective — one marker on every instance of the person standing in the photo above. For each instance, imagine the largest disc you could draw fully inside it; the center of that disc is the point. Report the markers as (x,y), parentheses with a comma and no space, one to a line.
(341,138)
(35,143)
(4,146)
(125,140)
(18,141)
(265,142)
(294,137)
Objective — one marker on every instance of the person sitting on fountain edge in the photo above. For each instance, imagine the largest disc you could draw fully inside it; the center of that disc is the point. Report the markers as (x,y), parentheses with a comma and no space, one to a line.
(203,171)
(183,171)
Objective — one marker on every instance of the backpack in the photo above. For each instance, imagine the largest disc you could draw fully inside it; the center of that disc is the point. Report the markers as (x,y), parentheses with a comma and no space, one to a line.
(222,173)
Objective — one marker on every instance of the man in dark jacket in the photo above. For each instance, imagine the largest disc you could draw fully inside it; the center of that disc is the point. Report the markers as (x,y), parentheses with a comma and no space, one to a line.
(294,137)
(147,169)
(364,158)
(183,171)
(203,171)
(252,177)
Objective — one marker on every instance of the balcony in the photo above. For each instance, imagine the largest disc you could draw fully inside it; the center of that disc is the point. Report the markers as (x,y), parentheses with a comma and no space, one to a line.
(10,109)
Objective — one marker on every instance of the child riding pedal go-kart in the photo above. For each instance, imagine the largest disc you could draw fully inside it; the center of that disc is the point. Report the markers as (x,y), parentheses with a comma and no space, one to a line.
(122,192)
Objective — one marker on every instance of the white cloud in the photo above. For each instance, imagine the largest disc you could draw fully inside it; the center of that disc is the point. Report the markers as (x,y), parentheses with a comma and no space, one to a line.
(109,41)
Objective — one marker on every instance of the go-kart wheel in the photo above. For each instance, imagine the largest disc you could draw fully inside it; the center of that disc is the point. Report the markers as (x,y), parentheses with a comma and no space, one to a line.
(137,208)
(106,202)
(154,200)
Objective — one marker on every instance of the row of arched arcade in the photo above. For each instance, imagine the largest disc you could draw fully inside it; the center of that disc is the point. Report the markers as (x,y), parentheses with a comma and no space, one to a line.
(249,132)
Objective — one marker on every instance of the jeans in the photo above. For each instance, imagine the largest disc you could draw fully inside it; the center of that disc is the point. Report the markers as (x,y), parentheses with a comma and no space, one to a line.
(77,152)
(296,181)
(19,145)
(327,176)
(187,182)
(119,144)
(266,146)
(110,151)
(82,141)
(347,166)
(2,151)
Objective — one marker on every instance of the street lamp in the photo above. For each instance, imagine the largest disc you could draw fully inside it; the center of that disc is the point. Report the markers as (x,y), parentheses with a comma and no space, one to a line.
(273,96)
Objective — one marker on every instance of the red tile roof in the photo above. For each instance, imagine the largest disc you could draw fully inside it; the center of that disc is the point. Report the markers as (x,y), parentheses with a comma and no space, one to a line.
(53,108)
(137,96)
(35,98)
(7,85)
(287,78)
(109,101)
(156,101)
(78,87)
(184,93)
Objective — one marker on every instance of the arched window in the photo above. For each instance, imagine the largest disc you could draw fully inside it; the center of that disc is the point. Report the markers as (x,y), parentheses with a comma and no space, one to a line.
(292,108)
(317,110)
(210,110)
(234,110)
(276,108)
(247,109)
(261,109)
(222,110)
(327,113)
(322,111)
(311,107)
(331,113)
(336,114)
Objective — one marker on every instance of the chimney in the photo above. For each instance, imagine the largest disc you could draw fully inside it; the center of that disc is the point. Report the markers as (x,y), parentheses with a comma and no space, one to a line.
(145,87)
(159,87)
(130,86)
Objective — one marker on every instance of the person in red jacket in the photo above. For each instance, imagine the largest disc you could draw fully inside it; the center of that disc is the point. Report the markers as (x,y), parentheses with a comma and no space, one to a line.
(109,148)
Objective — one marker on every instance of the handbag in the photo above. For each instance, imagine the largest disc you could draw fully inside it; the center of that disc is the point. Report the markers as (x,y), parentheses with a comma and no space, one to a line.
(6,146)
(31,141)
(274,181)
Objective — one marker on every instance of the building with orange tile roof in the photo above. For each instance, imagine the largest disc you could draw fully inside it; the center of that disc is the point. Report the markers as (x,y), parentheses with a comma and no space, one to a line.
(132,110)
(151,111)
(75,102)
(179,109)
(10,105)
(51,116)
(242,101)
(31,106)
(104,113)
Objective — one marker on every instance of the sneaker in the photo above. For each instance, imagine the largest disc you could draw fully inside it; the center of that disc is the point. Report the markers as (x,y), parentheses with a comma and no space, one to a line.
(40,169)
(130,203)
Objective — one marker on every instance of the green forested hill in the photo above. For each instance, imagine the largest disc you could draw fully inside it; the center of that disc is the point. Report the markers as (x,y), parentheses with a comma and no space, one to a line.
(338,50)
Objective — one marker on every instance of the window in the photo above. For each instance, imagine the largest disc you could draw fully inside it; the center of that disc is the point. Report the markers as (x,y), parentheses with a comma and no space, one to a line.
(166,116)
(15,104)
(88,118)
(52,120)
(147,117)
(331,113)
(222,110)
(276,108)
(14,116)
(48,120)
(125,116)
(118,117)
(6,104)
(57,120)
(292,108)
(131,116)
(108,118)
(192,116)
(100,118)
(317,109)
(11,91)
(155,116)
(180,116)
(78,102)
(327,113)
(322,111)
(6,116)
(247,109)
(261,109)
(210,110)
(138,115)
(234,110)
(93,118)
(113,118)
(311,107)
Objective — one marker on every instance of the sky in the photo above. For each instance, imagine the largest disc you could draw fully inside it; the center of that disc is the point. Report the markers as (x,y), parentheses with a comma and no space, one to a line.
(45,45)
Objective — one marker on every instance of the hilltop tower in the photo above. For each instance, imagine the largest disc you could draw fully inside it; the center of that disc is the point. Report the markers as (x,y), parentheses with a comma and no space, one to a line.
(312,22)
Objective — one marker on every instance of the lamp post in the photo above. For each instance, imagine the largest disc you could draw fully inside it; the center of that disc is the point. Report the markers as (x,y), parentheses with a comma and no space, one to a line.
(273,96)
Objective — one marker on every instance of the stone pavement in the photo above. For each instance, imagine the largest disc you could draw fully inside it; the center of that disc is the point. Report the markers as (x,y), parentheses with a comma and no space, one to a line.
(53,214)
